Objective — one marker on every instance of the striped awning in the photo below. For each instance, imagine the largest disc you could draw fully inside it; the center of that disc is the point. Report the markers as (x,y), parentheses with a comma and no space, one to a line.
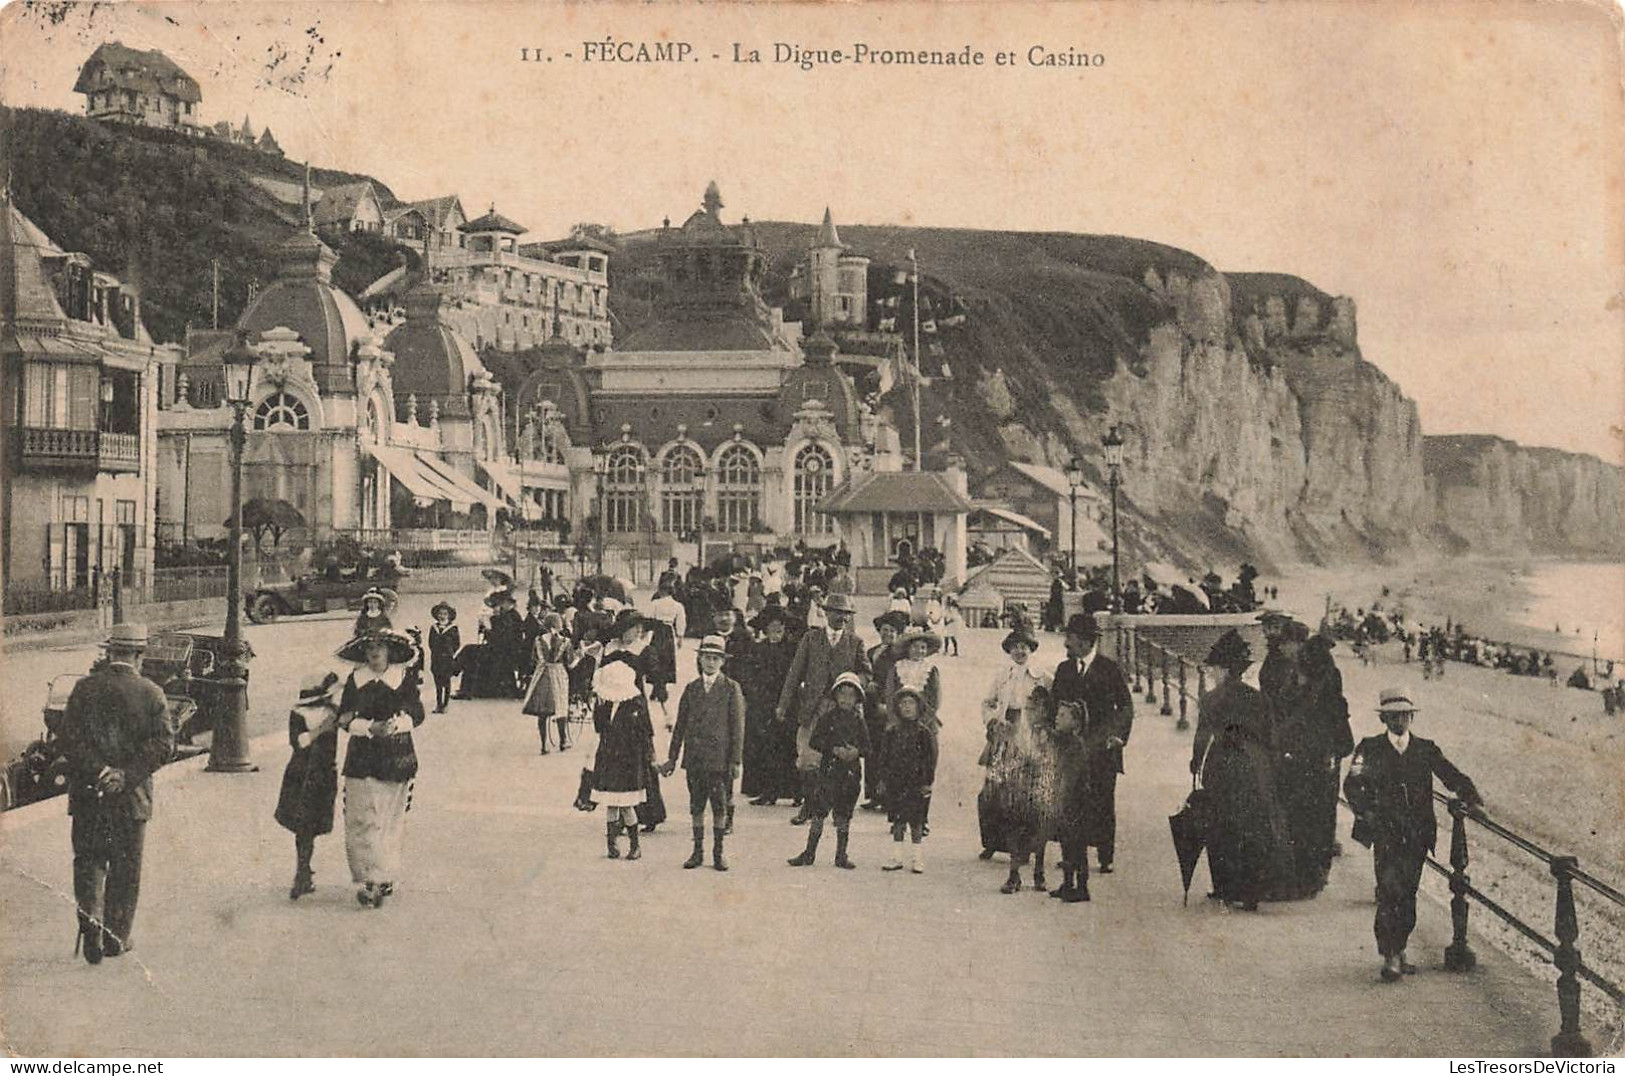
(402,463)
(506,478)
(447,475)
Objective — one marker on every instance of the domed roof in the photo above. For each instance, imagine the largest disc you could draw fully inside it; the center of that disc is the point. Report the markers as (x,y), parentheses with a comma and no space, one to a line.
(303,298)
(431,358)
(326,319)
(823,381)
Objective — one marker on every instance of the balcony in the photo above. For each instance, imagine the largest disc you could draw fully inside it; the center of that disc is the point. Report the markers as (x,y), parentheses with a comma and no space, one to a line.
(80,450)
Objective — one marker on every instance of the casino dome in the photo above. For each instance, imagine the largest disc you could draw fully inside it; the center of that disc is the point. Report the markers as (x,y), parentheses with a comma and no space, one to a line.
(304,299)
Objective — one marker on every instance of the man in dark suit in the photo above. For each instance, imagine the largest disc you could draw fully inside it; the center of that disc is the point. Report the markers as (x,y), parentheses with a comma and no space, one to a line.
(115,733)
(1390,787)
(1094,684)
(821,656)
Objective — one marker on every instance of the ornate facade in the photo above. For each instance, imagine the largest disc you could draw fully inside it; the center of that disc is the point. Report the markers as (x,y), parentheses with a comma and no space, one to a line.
(713,417)
(77,495)
(330,430)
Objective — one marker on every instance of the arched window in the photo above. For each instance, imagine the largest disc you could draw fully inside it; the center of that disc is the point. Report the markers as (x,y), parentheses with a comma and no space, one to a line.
(682,490)
(814,477)
(375,423)
(623,490)
(739,490)
(280,411)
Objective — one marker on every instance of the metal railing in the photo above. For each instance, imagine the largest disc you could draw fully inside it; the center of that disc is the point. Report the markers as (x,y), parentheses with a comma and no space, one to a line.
(1182,679)
(1153,665)
(1563,950)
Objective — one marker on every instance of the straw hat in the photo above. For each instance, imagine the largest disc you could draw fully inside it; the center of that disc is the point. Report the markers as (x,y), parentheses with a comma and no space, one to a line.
(919,633)
(1395,700)
(443,607)
(128,636)
(616,681)
(316,687)
(1019,635)
(714,644)
(838,603)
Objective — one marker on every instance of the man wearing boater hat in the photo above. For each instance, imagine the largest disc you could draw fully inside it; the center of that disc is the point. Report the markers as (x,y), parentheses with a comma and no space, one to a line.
(115,733)
(1390,787)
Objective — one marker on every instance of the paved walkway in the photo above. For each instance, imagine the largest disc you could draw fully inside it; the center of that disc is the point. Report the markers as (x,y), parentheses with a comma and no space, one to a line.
(512,934)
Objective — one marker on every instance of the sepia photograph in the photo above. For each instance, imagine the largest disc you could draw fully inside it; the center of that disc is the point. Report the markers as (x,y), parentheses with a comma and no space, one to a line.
(798,530)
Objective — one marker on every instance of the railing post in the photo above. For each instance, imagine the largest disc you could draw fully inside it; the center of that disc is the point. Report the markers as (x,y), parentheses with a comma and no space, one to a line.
(1184,721)
(118,596)
(1151,674)
(1167,703)
(1459,955)
(1568,1042)
(1137,658)
(1201,681)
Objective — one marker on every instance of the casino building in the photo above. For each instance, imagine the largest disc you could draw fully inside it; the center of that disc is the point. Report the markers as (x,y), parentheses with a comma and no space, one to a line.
(713,418)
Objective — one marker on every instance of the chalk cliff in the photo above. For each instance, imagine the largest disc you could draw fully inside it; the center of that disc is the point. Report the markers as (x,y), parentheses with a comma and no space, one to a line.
(1493,495)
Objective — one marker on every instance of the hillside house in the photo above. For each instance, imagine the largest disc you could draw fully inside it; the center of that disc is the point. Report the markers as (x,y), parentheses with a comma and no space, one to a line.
(128,85)
(349,207)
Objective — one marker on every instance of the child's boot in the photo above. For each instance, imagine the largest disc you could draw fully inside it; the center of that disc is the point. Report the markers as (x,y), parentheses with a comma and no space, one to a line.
(840,850)
(633,852)
(718,860)
(1066,881)
(918,865)
(895,863)
(728,827)
(1012,884)
(612,830)
(809,855)
(698,856)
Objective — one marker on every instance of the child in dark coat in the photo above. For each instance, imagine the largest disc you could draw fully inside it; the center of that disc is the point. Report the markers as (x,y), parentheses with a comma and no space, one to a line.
(909,765)
(840,740)
(310,782)
(710,734)
(444,642)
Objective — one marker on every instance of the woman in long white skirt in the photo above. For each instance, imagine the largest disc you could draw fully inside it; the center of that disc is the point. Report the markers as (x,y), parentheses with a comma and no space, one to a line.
(380,707)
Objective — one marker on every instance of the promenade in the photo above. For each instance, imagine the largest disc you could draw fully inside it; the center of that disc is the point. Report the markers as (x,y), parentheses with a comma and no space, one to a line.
(513,935)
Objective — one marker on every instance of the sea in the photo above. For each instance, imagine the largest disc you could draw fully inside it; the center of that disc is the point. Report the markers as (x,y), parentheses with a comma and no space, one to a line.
(1583,602)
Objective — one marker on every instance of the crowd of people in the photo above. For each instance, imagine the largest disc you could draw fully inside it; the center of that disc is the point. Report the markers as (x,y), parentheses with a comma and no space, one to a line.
(792,704)
(1432,645)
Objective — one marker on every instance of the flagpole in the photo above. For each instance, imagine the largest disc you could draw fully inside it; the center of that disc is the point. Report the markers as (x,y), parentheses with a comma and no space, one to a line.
(914,264)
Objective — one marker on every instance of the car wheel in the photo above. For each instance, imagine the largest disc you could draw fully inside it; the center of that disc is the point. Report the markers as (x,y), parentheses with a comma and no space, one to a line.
(5,791)
(263,609)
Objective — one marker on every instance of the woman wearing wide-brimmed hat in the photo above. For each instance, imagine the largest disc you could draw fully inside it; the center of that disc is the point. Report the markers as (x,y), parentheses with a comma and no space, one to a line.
(770,744)
(1247,851)
(310,781)
(379,709)
(1004,813)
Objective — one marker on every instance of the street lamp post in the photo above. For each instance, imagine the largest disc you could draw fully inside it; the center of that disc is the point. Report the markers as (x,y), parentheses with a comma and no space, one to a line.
(1113,442)
(228,751)
(600,467)
(699,522)
(1074,478)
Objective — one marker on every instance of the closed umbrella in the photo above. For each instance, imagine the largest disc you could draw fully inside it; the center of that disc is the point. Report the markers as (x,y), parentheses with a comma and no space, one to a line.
(1189,829)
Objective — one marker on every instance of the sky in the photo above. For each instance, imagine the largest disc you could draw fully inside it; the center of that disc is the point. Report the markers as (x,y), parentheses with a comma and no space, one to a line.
(1456,168)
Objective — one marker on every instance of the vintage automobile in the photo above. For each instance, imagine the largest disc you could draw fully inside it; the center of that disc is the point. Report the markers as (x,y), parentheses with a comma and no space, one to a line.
(335,588)
(181,663)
